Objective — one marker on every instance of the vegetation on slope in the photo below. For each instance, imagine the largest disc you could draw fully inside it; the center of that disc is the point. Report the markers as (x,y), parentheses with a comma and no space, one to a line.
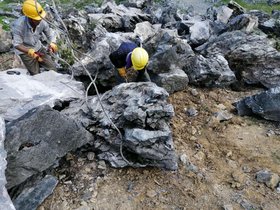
(256,6)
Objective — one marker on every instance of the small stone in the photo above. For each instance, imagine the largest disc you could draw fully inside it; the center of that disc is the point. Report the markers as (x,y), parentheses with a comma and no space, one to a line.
(191,168)
(151,193)
(237,185)
(62,176)
(94,194)
(270,133)
(69,157)
(194,92)
(192,112)
(202,98)
(68,182)
(193,138)
(232,164)
(221,106)
(184,158)
(228,207)
(92,165)
(229,154)
(238,176)
(270,179)
(90,156)
(83,203)
(213,95)
(199,155)
(223,116)
(243,124)
(101,165)
(88,169)
(246,169)
(193,130)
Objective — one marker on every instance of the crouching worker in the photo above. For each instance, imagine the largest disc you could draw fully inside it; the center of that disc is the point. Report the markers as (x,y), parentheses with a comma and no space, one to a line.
(27,31)
(129,58)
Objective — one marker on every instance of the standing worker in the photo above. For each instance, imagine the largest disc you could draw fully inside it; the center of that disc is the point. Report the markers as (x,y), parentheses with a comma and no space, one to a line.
(129,57)
(27,31)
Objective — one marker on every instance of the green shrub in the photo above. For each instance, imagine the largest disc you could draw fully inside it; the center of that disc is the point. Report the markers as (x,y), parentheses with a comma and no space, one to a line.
(78,4)
(5,25)
(65,53)
(257,6)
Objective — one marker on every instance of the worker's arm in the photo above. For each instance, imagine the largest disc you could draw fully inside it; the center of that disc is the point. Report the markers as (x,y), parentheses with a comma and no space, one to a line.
(30,51)
(18,38)
(47,31)
(22,48)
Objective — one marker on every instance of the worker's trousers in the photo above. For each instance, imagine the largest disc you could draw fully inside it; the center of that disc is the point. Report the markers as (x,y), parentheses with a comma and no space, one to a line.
(33,66)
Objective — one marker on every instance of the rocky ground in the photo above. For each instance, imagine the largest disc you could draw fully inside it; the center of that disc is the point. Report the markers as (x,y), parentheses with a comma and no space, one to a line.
(218,162)
(217,167)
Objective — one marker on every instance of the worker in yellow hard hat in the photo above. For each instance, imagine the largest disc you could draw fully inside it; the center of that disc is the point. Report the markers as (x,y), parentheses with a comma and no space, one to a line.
(130,57)
(27,31)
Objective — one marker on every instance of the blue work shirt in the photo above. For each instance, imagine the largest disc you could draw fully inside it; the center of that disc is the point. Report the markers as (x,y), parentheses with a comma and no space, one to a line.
(23,34)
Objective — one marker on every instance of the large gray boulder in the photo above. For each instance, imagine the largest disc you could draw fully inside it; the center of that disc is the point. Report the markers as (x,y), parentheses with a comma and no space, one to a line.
(172,81)
(252,57)
(172,52)
(199,32)
(265,105)
(31,197)
(20,93)
(37,140)
(142,115)
(5,201)
(212,71)
(169,51)
(118,17)
(244,22)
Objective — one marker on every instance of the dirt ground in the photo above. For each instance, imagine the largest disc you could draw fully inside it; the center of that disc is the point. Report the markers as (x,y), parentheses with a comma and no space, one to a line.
(218,162)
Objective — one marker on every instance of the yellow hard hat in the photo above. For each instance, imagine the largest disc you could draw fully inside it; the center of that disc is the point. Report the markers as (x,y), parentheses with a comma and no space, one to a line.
(33,10)
(139,58)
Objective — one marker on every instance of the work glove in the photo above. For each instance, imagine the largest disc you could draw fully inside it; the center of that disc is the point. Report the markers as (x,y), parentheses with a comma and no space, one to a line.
(36,55)
(122,72)
(53,47)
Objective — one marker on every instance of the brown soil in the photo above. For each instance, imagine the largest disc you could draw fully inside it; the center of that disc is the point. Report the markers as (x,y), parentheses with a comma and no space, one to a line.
(225,157)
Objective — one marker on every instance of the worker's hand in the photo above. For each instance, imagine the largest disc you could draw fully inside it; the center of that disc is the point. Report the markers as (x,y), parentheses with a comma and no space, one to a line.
(36,55)
(122,72)
(53,47)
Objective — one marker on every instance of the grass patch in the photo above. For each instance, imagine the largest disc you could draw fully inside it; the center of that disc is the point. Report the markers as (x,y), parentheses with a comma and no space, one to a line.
(257,6)
(5,26)
(82,3)
(4,5)
(65,53)
(78,4)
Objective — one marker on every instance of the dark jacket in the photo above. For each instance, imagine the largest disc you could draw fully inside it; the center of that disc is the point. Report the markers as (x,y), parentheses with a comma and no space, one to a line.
(122,58)
(119,57)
